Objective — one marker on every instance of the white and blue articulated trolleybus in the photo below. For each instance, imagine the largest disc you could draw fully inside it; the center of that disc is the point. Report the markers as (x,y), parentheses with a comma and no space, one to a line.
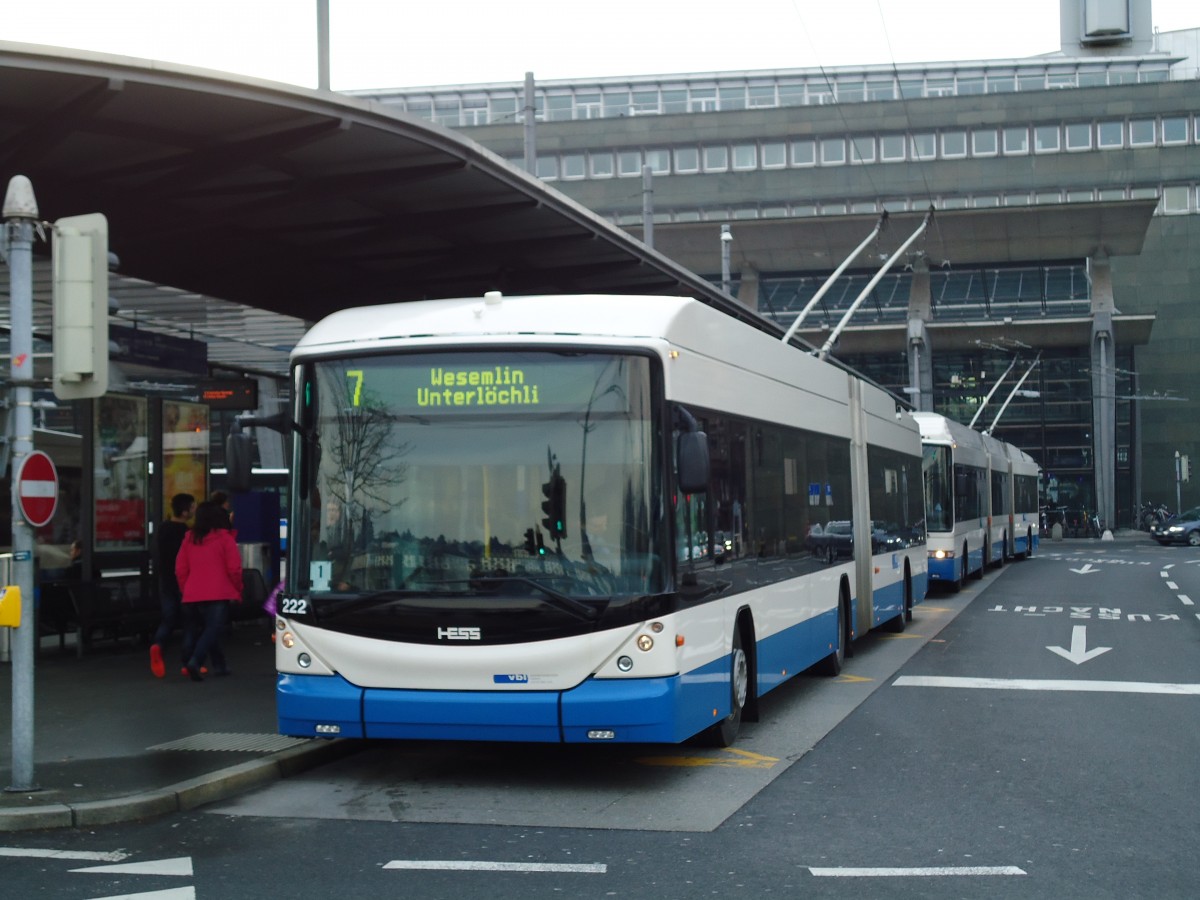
(579,519)
(981,499)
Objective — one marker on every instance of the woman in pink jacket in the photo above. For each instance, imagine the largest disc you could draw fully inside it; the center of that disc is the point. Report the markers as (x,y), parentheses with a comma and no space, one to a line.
(209,571)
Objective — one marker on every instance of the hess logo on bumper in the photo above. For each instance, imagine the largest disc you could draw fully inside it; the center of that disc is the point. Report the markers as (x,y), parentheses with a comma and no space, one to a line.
(458,634)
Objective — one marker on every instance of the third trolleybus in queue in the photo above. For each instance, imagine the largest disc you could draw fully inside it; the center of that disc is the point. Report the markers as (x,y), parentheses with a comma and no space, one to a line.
(981,499)
(579,519)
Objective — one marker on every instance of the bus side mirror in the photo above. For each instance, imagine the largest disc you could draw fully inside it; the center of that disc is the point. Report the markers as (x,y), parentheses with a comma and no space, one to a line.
(693,463)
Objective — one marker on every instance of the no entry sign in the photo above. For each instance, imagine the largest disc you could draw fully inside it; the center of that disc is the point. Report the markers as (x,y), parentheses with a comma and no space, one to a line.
(37,488)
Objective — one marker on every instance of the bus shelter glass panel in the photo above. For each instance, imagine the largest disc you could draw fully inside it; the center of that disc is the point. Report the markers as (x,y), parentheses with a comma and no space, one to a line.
(121,481)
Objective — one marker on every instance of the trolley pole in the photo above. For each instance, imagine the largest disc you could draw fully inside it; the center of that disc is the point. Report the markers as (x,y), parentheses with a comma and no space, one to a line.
(20,220)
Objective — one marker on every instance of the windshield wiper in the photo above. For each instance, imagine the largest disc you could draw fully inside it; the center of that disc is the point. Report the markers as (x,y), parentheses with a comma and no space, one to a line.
(332,610)
(559,599)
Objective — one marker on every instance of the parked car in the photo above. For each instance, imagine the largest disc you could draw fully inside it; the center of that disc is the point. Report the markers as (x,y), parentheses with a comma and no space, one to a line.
(1183,529)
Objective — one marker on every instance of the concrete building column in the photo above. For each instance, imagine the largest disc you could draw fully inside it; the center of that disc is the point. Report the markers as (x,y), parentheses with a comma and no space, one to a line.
(920,349)
(1104,388)
(748,285)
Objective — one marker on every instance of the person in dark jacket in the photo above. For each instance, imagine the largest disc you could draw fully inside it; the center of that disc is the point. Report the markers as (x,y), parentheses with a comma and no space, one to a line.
(209,570)
(170,536)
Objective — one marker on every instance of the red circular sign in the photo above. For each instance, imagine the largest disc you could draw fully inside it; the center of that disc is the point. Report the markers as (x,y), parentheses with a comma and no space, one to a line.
(37,488)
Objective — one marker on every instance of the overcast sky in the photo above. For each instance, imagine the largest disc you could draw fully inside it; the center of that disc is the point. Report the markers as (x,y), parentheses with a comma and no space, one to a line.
(403,43)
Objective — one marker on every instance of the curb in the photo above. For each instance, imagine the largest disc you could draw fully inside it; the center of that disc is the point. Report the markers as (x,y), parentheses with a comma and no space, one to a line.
(186,795)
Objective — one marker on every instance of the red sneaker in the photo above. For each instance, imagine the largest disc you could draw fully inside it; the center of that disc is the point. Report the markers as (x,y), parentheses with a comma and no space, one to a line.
(156,661)
(184,671)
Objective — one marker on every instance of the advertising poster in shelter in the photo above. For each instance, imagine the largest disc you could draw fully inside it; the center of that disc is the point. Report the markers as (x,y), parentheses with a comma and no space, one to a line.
(185,451)
(122,481)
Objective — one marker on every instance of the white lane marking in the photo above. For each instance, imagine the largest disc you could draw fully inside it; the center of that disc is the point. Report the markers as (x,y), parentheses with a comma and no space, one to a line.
(98,856)
(1186,600)
(1172,586)
(1047,684)
(180,865)
(917,871)
(1079,653)
(475,865)
(183,893)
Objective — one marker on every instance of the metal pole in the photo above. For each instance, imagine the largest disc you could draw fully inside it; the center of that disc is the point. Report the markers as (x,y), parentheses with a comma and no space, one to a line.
(999,381)
(834,277)
(726,240)
(832,339)
(647,207)
(322,45)
(530,126)
(20,217)
(1013,393)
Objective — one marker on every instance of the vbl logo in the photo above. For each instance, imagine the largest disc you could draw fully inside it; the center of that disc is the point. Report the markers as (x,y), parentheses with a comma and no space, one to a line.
(510,679)
(458,634)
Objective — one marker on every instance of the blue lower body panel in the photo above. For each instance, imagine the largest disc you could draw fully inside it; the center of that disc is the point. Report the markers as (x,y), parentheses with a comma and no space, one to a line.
(642,710)
(944,569)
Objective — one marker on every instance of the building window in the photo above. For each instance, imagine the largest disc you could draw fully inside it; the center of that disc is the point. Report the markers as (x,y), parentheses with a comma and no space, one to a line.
(1079,196)
(1048,197)
(1175,130)
(675,101)
(791,94)
(1141,133)
(983,142)
(1016,141)
(1108,194)
(644,103)
(1108,135)
(687,159)
(629,163)
(762,96)
(881,90)
(833,151)
(547,168)
(559,108)
(862,149)
(602,165)
(954,144)
(587,106)
(833,209)
(616,104)
(1001,84)
(891,148)
(804,153)
(1079,136)
(1175,199)
(732,97)
(924,146)
(573,165)
(985,201)
(745,156)
(863,206)
(774,155)
(973,85)
(1046,139)
(504,109)
(1016,199)
(716,158)
(659,161)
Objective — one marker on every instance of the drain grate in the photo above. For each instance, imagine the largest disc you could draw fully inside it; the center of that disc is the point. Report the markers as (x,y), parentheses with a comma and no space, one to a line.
(243,743)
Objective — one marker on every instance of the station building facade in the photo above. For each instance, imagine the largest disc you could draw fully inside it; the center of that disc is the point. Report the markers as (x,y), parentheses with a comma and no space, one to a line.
(1064,243)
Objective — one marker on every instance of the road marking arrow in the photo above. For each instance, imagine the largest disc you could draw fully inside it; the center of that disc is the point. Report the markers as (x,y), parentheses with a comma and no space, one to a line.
(1086,570)
(1079,652)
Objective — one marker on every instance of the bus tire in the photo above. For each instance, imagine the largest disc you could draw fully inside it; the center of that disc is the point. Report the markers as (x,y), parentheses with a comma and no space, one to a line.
(978,573)
(1029,545)
(725,732)
(832,664)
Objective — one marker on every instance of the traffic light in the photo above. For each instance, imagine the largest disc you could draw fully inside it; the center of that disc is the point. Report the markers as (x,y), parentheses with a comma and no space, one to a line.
(555,505)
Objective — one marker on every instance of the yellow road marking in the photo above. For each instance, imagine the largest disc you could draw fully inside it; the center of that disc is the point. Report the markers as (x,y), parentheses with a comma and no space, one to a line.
(852,679)
(741,759)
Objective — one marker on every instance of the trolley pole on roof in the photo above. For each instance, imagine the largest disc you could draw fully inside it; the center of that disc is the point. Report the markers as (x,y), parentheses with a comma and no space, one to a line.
(984,404)
(832,339)
(20,220)
(1016,389)
(837,273)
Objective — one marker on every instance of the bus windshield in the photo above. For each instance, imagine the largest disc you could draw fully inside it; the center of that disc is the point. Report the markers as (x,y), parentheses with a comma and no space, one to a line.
(482,474)
(939,503)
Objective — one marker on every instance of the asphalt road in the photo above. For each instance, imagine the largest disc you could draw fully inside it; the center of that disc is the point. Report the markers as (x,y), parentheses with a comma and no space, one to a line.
(1033,736)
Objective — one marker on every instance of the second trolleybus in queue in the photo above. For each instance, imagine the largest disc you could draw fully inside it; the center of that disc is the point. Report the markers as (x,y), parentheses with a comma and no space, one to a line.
(981,499)
(579,519)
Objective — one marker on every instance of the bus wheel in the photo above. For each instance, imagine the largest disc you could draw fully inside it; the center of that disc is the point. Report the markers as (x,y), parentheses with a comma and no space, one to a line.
(1029,544)
(725,732)
(832,664)
(896,625)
